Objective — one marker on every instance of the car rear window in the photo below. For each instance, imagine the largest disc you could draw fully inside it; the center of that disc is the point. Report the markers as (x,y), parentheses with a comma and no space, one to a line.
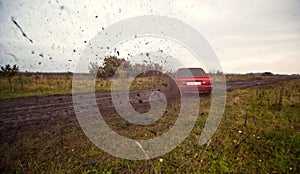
(194,72)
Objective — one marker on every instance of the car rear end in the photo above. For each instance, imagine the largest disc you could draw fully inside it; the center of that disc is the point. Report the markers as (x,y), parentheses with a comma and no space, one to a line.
(193,80)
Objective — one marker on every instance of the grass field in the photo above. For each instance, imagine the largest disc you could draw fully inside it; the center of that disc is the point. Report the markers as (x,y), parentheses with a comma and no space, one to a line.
(259,133)
(45,84)
(26,85)
(236,78)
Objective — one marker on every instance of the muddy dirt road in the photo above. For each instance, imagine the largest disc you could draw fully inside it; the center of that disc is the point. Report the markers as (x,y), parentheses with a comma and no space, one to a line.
(18,114)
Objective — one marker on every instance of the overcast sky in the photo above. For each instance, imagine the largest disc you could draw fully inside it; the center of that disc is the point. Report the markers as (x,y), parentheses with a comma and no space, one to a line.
(247,36)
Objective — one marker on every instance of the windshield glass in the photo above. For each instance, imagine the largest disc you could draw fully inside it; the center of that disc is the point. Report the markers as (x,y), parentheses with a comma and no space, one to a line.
(194,72)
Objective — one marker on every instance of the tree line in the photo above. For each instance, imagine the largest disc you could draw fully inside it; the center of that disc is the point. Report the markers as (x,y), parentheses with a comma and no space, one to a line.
(110,66)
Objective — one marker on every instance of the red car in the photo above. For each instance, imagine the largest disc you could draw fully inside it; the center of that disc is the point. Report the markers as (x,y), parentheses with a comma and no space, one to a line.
(193,80)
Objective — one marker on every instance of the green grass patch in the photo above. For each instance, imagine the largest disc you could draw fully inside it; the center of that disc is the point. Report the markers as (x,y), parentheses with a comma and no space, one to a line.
(44,85)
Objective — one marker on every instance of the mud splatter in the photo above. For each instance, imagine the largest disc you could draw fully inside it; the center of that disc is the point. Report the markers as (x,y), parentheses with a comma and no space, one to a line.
(20,28)
(12,55)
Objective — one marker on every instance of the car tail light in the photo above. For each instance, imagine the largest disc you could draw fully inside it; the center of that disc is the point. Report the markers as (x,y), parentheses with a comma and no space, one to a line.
(207,82)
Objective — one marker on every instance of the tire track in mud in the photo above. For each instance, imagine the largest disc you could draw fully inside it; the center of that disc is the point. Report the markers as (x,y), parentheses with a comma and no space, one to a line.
(22,112)
(18,114)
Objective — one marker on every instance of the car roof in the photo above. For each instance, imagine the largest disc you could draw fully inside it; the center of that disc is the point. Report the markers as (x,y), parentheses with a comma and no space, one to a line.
(188,68)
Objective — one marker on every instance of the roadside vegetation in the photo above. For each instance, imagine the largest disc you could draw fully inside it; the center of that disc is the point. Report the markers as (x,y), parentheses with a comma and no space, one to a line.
(27,85)
(259,132)
(43,84)
(14,84)
(248,77)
